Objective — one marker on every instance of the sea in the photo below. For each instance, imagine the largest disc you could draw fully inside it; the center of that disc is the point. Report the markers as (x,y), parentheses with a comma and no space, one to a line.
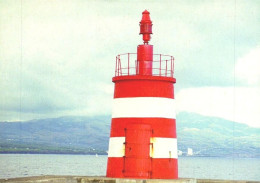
(24,165)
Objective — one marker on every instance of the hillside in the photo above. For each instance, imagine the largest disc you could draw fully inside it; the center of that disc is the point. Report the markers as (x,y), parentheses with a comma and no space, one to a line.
(57,135)
(207,136)
(211,136)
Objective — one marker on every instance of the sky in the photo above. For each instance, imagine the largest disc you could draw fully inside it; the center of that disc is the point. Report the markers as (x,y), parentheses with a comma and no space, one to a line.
(57,57)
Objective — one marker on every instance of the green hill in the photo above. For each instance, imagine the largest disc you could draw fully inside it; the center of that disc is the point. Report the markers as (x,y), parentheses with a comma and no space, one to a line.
(207,136)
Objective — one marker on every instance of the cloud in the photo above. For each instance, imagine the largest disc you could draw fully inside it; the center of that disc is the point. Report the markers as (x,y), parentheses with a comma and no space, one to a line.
(61,59)
(54,101)
(247,67)
(239,104)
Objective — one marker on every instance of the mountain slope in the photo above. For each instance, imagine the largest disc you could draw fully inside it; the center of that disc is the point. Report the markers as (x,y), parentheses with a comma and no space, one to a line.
(207,136)
(83,133)
(211,136)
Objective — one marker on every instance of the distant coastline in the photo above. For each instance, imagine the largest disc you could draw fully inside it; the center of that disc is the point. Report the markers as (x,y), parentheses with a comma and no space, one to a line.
(7,152)
(58,153)
(104,153)
(57,150)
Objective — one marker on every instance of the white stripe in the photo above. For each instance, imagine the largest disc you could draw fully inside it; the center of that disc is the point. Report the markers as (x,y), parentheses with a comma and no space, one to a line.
(116,147)
(163,148)
(160,147)
(144,107)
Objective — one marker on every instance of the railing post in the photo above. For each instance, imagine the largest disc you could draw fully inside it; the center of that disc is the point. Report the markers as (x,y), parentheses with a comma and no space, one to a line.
(128,64)
(171,67)
(116,67)
(166,68)
(160,64)
(119,65)
(121,73)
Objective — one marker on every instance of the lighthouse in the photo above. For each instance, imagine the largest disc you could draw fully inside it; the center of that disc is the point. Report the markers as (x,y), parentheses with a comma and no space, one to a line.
(143,140)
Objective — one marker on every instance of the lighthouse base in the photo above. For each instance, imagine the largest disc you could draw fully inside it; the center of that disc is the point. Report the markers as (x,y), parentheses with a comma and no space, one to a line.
(87,179)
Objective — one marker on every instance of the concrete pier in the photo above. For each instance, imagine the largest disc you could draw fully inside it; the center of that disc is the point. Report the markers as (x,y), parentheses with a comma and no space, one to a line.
(87,179)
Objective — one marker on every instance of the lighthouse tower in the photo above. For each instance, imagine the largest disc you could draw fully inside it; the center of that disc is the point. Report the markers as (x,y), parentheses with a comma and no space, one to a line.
(143,141)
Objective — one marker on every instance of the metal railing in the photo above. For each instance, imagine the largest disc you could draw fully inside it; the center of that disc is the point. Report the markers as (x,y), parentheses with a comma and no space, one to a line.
(127,64)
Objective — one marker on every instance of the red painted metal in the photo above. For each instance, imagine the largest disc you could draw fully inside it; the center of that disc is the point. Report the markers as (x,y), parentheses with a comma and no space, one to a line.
(145,59)
(163,168)
(162,127)
(115,167)
(137,149)
(127,64)
(143,75)
(153,86)
(146,26)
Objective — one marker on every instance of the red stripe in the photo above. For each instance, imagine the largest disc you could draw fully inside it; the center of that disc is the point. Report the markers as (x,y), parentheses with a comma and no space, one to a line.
(161,168)
(162,127)
(115,167)
(143,77)
(164,168)
(143,88)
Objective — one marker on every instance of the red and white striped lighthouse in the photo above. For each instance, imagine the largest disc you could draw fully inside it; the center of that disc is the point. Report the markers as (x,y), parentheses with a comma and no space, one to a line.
(143,141)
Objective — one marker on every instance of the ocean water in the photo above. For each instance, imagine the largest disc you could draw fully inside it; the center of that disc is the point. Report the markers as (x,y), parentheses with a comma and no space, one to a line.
(23,165)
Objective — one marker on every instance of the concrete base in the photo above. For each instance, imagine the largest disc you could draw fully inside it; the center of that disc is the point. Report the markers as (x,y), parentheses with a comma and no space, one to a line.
(224,181)
(85,179)
(79,179)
